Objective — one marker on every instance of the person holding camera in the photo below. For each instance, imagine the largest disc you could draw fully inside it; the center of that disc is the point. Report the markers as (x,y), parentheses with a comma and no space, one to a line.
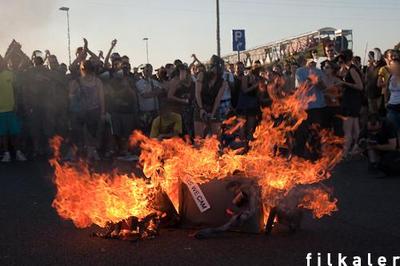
(380,141)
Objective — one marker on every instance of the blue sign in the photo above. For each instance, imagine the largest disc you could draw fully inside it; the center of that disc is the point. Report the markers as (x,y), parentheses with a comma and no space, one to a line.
(238,40)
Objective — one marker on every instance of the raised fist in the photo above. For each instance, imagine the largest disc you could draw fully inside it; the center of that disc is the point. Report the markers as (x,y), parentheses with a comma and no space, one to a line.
(114,42)
(85,43)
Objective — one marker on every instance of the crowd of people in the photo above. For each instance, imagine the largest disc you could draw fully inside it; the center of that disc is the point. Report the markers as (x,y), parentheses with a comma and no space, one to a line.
(97,102)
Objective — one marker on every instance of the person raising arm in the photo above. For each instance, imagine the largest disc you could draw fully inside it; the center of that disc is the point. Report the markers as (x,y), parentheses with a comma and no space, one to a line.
(107,59)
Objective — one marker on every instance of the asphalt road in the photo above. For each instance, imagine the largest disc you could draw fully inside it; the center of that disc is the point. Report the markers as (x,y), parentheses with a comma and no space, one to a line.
(33,234)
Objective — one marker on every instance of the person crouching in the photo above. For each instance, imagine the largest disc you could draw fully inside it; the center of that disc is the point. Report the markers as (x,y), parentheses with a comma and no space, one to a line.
(168,124)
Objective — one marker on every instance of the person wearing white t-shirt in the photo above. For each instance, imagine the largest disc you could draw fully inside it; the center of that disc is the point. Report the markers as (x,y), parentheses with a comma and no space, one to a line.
(148,92)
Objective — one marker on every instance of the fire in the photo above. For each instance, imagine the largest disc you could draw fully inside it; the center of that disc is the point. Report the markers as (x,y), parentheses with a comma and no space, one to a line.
(318,201)
(89,198)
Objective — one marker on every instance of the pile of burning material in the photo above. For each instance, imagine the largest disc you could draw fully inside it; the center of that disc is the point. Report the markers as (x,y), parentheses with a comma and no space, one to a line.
(173,167)
(132,229)
(230,204)
(148,227)
(289,211)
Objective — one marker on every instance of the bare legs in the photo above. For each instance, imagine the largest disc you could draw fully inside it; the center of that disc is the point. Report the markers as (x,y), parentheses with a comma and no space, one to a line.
(351,128)
(200,127)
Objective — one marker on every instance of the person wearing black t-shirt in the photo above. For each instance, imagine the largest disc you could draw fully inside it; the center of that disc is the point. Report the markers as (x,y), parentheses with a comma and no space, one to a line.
(380,140)
(330,54)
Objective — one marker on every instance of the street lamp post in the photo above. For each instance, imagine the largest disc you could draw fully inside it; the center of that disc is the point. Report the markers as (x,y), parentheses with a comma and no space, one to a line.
(147,48)
(66,9)
(218,32)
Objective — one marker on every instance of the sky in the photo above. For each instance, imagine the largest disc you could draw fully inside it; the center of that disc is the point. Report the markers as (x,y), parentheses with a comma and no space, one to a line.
(179,28)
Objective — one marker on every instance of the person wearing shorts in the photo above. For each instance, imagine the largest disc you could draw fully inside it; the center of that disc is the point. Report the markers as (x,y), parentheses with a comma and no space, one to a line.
(87,109)
(9,125)
(122,105)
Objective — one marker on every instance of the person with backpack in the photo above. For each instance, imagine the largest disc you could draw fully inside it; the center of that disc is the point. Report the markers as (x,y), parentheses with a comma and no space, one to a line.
(86,96)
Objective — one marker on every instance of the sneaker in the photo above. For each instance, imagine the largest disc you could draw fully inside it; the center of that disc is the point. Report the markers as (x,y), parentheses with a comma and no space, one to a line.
(20,156)
(92,154)
(70,156)
(109,154)
(356,150)
(95,155)
(128,158)
(6,157)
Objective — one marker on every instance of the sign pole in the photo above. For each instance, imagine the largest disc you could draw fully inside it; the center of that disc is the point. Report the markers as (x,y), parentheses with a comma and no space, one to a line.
(238,42)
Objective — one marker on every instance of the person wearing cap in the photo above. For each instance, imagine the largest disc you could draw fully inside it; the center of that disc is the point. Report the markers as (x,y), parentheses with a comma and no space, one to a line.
(161,74)
(10,127)
(168,124)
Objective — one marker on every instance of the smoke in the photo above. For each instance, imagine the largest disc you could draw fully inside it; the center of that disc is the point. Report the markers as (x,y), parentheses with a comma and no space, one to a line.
(19,19)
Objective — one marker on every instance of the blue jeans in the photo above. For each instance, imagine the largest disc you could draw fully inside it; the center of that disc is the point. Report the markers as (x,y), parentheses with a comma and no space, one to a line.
(394,117)
(9,124)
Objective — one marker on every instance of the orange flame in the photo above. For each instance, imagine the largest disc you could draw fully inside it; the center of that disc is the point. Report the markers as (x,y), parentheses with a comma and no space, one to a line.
(319,202)
(88,198)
